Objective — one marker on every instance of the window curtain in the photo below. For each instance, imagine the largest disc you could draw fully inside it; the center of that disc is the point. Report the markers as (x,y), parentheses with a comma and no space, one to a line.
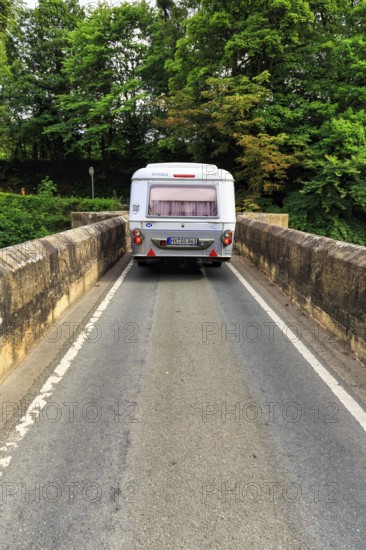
(181,208)
(182,201)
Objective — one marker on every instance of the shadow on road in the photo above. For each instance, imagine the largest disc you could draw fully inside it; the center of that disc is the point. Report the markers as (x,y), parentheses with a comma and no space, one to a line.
(178,270)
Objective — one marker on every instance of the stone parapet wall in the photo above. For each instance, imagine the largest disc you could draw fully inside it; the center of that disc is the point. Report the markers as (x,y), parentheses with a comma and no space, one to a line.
(325,277)
(273,219)
(78,219)
(40,279)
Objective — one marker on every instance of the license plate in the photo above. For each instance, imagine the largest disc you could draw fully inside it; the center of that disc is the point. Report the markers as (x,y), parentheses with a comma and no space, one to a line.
(182,241)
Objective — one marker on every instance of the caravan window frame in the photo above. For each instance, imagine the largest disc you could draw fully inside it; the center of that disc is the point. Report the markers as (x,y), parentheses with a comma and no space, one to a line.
(169,184)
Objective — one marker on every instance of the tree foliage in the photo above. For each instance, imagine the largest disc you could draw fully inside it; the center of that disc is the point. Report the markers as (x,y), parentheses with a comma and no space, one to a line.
(36,52)
(106,109)
(273,90)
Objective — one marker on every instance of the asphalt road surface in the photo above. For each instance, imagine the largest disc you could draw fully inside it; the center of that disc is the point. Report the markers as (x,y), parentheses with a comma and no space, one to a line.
(181,416)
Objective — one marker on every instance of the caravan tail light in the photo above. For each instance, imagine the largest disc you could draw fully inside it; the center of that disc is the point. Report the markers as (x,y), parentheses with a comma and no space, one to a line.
(138,236)
(227,237)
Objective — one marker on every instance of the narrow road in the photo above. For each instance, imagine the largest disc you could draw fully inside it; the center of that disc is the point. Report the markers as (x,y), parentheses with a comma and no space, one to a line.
(183,417)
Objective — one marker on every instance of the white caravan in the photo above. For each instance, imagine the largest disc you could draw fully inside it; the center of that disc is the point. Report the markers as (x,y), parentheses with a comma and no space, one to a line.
(182,211)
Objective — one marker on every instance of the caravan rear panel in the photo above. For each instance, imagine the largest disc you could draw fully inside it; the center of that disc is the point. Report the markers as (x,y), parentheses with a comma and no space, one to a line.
(182,210)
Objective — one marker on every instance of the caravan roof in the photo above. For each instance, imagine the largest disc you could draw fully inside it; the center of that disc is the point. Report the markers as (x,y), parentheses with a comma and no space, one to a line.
(182,171)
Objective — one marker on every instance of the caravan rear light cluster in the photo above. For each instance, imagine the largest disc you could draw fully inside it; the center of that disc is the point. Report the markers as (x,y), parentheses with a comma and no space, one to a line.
(227,237)
(138,236)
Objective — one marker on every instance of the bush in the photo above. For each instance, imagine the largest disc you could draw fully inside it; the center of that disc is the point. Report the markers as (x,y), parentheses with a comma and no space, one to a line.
(23,218)
(47,188)
(306,215)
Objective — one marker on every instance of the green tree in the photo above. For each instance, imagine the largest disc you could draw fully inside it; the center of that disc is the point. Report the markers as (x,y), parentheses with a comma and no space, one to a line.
(166,7)
(327,98)
(107,109)
(297,137)
(274,90)
(4,14)
(165,34)
(36,50)
(221,88)
(225,125)
(4,74)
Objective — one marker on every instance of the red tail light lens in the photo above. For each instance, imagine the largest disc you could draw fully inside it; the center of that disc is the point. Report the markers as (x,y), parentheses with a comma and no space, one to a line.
(138,236)
(227,237)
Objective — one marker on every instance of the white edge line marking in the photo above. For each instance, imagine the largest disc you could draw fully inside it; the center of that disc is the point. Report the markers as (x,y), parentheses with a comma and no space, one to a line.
(48,387)
(347,401)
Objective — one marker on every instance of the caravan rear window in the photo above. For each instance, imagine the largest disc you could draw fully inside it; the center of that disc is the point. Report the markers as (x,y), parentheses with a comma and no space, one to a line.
(189,201)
